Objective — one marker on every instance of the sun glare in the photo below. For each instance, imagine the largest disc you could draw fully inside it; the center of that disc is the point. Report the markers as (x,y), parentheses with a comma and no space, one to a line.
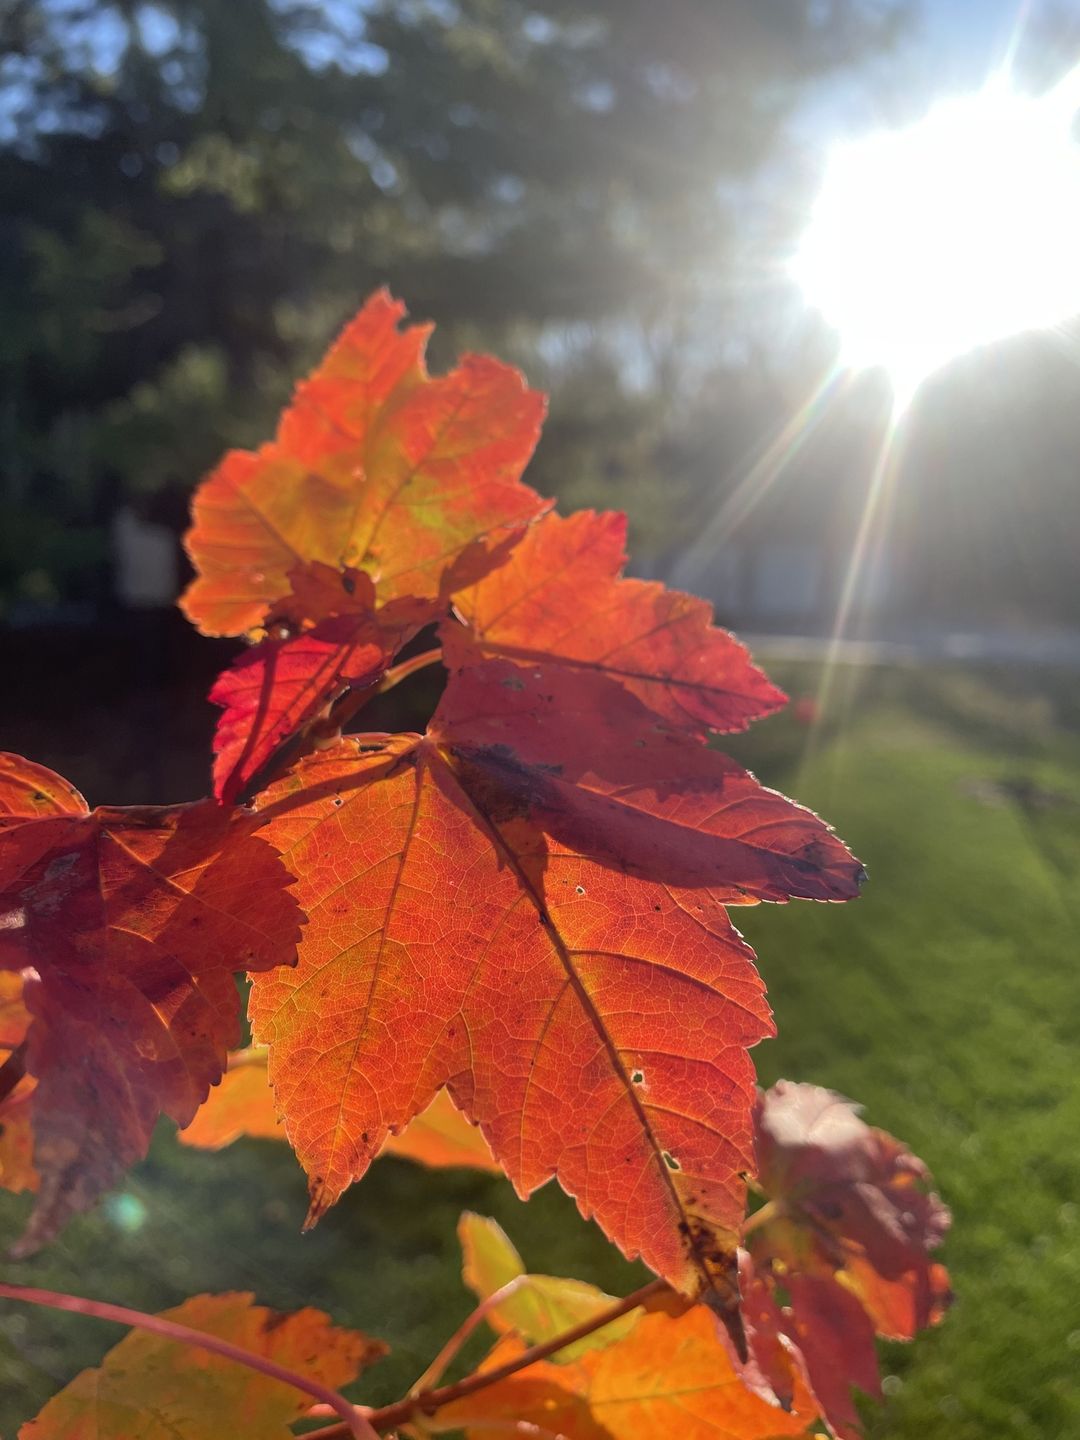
(930,241)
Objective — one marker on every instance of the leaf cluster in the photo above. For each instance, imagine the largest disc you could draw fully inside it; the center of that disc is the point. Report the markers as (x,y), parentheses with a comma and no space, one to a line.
(503,941)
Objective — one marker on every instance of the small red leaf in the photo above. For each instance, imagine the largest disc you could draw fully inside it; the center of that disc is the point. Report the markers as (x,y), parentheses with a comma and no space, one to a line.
(127,926)
(276,689)
(846,1235)
(560,599)
(861,1192)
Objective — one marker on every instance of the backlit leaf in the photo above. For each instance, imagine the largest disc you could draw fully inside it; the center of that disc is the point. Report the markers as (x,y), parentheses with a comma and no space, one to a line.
(376,465)
(243,1104)
(669,1376)
(275,689)
(16,1131)
(542,1306)
(863,1197)
(443,1139)
(846,1240)
(527,904)
(559,597)
(127,926)
(157,1389)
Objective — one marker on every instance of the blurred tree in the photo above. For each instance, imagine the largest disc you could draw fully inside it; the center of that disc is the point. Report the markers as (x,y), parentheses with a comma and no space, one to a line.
(199,193)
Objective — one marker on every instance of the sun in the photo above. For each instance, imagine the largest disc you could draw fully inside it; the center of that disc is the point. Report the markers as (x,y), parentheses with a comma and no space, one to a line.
(927,242)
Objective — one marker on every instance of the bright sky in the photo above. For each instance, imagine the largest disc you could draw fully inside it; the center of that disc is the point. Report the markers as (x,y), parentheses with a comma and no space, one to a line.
(954,47)
(974,33)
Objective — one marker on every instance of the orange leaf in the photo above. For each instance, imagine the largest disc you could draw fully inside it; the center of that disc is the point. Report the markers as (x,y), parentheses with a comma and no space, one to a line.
(16,1131)
(442,1138)
(127,925)
(376,465)
(243,1104)
(160,1389)
(670,1376)
(526,904)
(559,598)
(29,789)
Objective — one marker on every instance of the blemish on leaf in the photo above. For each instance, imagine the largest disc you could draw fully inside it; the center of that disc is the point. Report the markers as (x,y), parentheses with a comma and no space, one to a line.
(670,1161)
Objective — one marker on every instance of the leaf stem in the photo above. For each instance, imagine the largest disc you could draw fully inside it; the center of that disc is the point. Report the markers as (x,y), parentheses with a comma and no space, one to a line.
(402,671)
(353,701)
(771,1210)
(429,1401)
(438,1366)
(12,1070)
(353,1420)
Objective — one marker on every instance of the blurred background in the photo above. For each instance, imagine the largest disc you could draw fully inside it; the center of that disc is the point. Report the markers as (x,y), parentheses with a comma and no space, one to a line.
(196,194)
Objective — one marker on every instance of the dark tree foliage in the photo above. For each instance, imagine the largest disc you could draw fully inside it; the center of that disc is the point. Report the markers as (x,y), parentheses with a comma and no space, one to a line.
(198,193)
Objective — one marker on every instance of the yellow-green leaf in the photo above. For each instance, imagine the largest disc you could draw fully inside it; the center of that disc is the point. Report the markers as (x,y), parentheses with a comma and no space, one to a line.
(542,1306)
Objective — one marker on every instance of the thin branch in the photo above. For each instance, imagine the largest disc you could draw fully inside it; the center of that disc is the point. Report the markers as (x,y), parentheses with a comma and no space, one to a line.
(353,1420)
(397,673)
(353,701)
(429,1401)
(324,730)
(437,1368)
(771,1210)
(12,1070)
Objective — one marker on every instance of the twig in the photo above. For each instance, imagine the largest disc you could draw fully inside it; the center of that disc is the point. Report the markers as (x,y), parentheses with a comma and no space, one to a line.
(323,731)
(353,1421)
(431,1400)
(437,1368)
(353,701)
(771,1210)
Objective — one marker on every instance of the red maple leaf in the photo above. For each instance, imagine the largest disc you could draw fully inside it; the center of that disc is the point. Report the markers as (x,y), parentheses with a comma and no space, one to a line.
(559,597)
(527,903)
(127,926)
(848,1235)
(277,688)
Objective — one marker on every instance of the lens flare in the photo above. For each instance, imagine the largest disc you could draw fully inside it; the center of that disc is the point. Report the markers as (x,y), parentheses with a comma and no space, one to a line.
(928,242)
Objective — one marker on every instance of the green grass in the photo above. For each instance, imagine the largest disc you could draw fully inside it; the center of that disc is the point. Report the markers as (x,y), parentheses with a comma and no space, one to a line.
(947,1000)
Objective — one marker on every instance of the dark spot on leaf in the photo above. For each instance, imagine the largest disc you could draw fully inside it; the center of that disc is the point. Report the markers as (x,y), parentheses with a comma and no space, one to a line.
(670,1161)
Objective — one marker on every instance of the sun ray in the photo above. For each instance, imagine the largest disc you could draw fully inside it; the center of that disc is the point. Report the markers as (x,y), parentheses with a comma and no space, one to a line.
(866,552)
(749,491)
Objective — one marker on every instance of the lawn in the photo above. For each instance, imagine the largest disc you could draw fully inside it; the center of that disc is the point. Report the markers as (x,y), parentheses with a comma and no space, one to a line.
(946,1000)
